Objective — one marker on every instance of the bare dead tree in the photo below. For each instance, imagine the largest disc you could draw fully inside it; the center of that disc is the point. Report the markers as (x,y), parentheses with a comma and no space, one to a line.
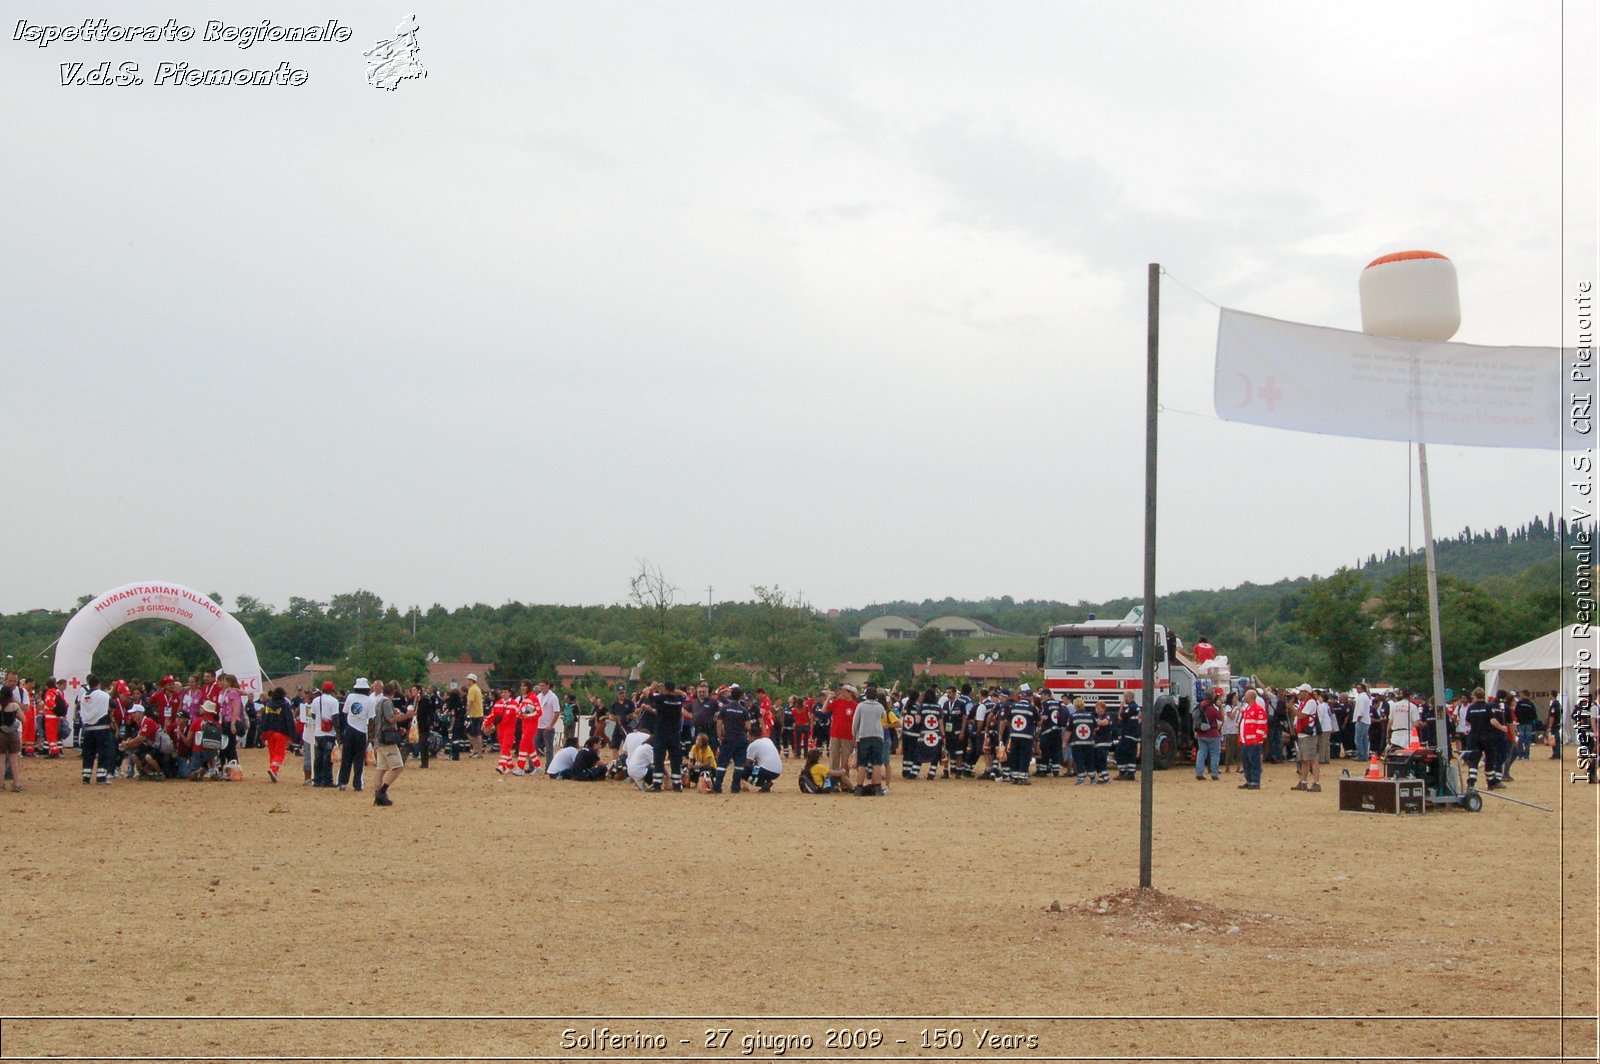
(651,590)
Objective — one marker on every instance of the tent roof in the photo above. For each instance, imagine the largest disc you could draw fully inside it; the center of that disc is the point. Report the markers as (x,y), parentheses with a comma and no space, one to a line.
(1546,652)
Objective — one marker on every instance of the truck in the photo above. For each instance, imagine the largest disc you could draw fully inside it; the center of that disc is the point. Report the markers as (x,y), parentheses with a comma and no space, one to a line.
(1103,661)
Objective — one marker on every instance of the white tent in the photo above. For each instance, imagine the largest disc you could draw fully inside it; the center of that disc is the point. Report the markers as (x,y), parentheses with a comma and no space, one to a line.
(1556,664)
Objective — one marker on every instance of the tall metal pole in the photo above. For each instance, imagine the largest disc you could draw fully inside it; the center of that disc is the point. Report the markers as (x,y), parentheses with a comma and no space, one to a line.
(1439,731)
(1147,745)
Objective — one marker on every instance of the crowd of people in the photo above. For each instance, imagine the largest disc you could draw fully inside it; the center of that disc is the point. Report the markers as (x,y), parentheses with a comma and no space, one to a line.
(662,736)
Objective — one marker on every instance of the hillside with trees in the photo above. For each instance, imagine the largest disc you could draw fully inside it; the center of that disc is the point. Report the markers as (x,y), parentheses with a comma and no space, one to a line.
(1497,588)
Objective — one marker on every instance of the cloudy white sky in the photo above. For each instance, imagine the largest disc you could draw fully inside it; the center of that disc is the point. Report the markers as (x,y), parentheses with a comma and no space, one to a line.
(847,297)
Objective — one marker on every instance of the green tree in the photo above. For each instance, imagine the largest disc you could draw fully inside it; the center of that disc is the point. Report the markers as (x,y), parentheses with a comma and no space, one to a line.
(383,660)
(897,659)
(123,654)
(933,644)
(1330,614)
(1472,626)
(792,648)
(524,657)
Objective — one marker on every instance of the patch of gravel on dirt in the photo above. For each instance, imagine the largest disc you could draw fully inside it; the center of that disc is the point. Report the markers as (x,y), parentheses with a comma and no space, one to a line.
(1141,909)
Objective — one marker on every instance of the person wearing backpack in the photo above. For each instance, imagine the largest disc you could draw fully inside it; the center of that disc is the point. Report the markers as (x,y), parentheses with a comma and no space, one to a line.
(389,720)
(1207,738)
(1307,726)
(207,739)
(277,730)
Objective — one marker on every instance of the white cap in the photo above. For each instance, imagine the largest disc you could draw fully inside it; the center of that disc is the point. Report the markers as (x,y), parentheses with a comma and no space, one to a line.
(361,684)
(472,676)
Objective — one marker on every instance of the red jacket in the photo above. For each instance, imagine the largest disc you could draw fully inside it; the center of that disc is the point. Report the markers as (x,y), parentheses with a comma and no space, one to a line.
(1253,724)
(502,714)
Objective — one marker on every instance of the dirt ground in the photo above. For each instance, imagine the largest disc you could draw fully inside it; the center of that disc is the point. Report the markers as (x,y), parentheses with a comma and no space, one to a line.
(519,917)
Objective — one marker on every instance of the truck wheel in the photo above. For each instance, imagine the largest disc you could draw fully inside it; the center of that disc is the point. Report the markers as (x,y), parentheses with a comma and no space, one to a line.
(1166,745)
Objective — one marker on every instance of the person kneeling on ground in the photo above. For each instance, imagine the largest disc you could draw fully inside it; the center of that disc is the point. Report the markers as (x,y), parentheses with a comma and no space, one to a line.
(641,763)
(142,743)
(561,764)
(763,763)
(586,765)
(702,760)
(814,777)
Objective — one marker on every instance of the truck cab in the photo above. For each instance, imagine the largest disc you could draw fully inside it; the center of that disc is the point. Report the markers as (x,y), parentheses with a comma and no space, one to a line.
(1103,661)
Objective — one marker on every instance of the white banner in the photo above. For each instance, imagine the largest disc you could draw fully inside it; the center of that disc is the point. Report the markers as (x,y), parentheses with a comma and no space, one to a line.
(155,601)
(1311,379)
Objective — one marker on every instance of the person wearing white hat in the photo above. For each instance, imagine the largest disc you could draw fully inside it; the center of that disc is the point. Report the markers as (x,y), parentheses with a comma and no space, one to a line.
(141,745)
(358,705)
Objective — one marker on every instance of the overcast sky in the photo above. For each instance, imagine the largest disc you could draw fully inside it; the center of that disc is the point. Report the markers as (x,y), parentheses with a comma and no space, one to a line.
(845,297)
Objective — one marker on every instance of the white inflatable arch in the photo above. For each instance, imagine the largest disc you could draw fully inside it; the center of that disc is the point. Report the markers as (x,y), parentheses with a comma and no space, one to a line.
(155,602)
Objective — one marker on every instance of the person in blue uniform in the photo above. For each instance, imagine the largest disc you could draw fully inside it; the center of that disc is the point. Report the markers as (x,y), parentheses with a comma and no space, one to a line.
(1105,736)
(1019,724)
(1080,732)
(1130,729)
(1486,739)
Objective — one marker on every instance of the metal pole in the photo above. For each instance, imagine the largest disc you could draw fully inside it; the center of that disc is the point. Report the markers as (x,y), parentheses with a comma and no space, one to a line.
(1439,732)
(1147,745)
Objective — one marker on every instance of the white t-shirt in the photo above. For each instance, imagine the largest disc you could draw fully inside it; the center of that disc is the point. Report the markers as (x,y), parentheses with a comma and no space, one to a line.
(641,761)
(564,759)
(633,741)
(1325,718)
(1363,708)
(1402,718)
(764,753)
(358,711)
(1230,719)
(549,710)
(324,711)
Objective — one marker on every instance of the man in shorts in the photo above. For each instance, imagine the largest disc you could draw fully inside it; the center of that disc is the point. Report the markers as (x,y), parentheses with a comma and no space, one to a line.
(1307,726)
(866,723)
(389,723)
(841,734)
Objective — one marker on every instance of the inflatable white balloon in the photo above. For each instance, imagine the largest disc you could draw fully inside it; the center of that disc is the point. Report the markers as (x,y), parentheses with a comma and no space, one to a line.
(1411,295)
(155,601)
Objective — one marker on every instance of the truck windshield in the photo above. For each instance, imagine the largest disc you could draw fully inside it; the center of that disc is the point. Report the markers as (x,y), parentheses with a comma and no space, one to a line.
(1094,651)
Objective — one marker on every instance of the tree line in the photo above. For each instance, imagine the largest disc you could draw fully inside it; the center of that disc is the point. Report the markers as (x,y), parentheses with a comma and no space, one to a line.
(1497,589)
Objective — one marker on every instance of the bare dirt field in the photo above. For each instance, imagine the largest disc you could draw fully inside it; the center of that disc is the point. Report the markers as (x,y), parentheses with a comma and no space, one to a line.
(520,918)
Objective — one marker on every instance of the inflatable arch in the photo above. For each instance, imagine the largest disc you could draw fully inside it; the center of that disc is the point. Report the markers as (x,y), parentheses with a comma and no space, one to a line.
(159,602)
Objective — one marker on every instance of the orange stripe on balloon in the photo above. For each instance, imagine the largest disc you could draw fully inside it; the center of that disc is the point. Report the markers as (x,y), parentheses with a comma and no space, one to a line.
(1401,256)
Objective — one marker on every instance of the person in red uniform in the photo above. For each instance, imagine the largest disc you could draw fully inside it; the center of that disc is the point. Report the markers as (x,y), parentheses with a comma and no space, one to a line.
(164,703)
(1252,739)
(1204,651)
(528,709)
(55,708)
(764,700)
(141,745)
(503,717)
